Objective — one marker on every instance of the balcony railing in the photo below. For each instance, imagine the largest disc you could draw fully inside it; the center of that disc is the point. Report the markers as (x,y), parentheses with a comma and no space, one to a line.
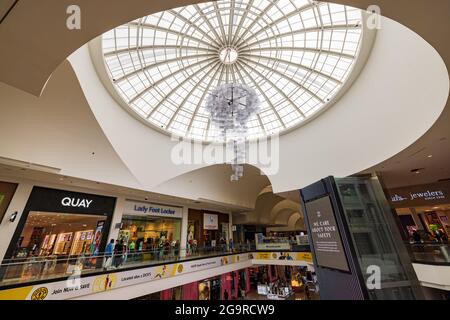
(36,268)
(19,271)
(434,253)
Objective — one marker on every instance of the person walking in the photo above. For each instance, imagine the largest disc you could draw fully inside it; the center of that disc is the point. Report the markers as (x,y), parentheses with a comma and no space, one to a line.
(118,253)
(177,250)
(132,248)
(416,237)
(231,244)
(108,254)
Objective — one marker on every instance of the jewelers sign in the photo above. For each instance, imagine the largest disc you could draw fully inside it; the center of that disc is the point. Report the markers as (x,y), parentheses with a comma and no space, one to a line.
(423,195)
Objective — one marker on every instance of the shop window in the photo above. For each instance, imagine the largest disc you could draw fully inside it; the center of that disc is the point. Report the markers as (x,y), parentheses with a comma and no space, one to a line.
(204,290)
(49,233)
(149,233)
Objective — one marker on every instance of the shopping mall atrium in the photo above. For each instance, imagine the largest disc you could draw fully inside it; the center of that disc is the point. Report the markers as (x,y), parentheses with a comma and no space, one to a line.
(224,150)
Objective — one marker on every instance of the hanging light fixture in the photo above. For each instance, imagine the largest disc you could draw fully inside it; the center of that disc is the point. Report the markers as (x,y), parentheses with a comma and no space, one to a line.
(230,107)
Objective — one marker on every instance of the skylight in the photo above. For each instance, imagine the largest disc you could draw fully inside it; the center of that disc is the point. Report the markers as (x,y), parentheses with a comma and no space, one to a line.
(296,54)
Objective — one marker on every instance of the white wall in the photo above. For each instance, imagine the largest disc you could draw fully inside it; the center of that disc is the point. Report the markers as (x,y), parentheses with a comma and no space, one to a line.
(213,183)
(398,96)
(390,105)
(58,130)
(433,276)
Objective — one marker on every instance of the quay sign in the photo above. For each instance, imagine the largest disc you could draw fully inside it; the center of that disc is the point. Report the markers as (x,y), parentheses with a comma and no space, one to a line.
(420,195)
(151,209)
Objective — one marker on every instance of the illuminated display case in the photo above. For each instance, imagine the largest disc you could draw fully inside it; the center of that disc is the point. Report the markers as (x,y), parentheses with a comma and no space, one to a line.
(82,242)
(63,242)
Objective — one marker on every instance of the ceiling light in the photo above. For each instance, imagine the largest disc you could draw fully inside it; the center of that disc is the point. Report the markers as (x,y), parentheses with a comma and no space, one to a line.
(230,106)
(430,156)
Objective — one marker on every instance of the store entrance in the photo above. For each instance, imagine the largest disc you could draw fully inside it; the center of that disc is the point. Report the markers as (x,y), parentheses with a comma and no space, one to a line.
(54,243)
(59,234)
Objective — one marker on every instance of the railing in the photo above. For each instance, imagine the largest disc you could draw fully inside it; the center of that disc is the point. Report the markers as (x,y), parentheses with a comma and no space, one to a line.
(24,270)
(438,253)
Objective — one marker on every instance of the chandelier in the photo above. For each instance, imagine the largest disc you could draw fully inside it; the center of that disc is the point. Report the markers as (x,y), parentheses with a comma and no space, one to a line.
(230,107)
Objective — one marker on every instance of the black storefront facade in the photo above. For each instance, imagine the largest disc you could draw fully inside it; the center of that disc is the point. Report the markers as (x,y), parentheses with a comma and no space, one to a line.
(56,228)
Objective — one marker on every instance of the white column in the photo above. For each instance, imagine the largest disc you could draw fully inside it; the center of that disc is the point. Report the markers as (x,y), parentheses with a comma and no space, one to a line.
(117,218)
(184,231)
(18,202)
(416,219)
(230,226)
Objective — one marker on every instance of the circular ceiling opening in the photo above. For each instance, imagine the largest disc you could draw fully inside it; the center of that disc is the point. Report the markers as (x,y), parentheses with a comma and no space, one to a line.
(296,55)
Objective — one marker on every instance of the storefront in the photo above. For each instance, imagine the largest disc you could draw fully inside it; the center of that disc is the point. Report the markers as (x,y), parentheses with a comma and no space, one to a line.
(424,208)
(146,226)
(59,225)
(7,191)
(206,228)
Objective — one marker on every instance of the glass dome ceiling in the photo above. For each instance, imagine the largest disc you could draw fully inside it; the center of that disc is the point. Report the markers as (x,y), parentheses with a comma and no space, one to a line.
(296,54)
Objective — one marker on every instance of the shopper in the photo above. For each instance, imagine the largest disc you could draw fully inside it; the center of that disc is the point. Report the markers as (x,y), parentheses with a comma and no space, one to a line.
(166,248)
(176,250)
(243,294)
(194,247)
(225,295)
(132,248)
(231,244)
(223,244)
(108,254)
(416,237)
(118,254)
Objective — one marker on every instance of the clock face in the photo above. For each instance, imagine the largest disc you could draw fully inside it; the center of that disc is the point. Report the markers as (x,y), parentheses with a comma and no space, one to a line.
(228,55)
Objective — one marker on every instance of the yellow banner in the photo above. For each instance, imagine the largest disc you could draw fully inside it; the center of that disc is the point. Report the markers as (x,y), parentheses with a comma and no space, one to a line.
(16,293)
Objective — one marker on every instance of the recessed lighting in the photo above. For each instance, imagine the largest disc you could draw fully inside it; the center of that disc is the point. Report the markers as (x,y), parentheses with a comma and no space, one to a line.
(430,156)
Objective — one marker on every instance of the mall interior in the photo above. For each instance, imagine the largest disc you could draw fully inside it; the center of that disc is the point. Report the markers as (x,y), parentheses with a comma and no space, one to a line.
(224,150)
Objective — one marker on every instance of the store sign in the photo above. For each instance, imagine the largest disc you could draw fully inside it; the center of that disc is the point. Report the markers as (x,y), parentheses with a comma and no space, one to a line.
(210,221)
(263,289)
(76,202)
(273,246)
(420,195)
(53,200)
(286,255)
(151,209)
(69,289)
(327,242)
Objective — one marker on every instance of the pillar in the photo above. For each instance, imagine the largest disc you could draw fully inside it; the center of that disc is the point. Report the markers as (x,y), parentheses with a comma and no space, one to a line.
(17,204)
(116,219)
(184,231)
(357,216)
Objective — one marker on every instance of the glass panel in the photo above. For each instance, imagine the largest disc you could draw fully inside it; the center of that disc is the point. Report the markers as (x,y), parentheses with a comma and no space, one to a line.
(295,54)
(376,237)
